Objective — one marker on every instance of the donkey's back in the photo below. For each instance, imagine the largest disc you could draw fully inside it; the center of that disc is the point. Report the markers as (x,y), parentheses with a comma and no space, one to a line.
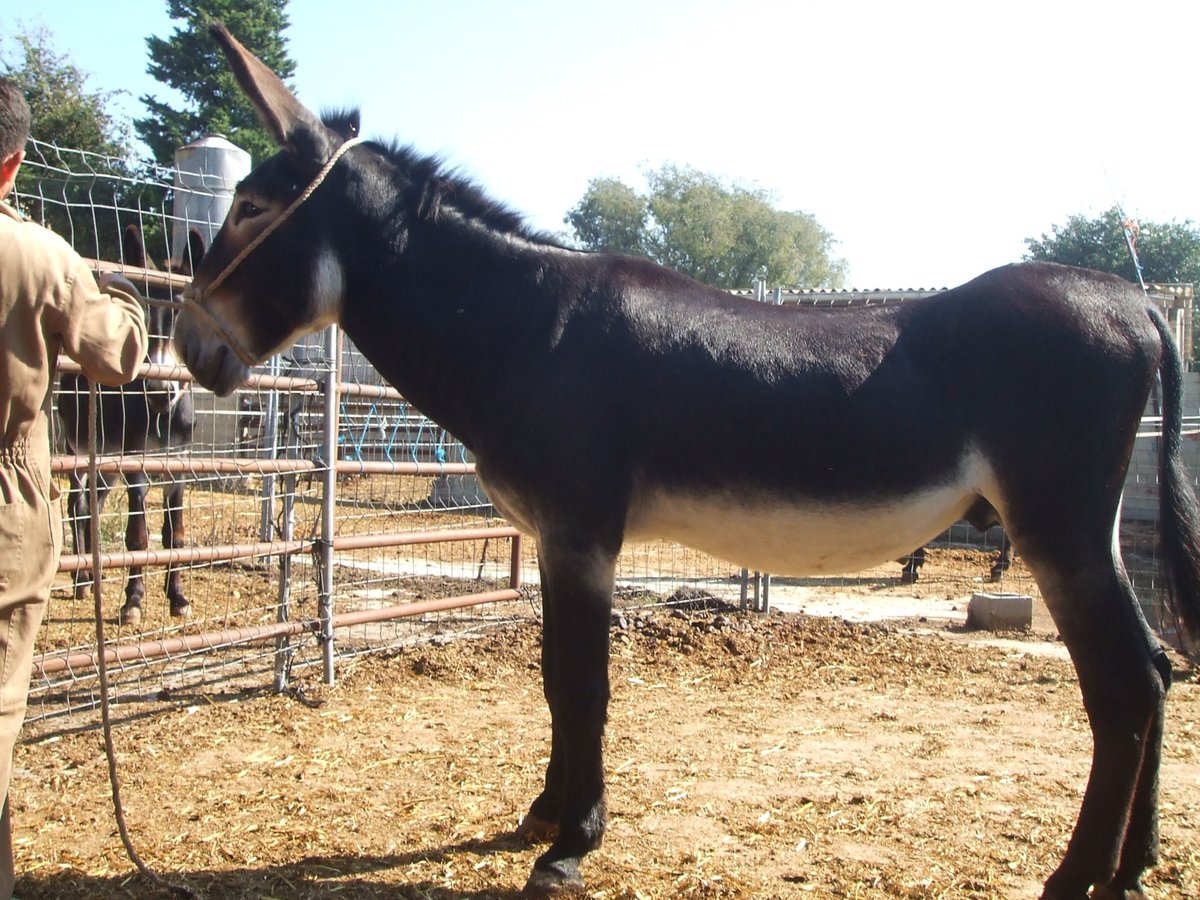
(809,441)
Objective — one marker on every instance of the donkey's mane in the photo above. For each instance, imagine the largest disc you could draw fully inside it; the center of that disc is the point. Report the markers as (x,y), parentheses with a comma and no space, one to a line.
(434,188)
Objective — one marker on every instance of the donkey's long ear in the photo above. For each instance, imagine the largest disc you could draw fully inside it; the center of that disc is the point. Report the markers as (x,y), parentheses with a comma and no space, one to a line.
(133,248)
(295,129)
(195,251)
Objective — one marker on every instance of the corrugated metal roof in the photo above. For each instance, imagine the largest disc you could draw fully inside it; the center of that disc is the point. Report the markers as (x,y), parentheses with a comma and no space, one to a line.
(1182,294)
(827,298)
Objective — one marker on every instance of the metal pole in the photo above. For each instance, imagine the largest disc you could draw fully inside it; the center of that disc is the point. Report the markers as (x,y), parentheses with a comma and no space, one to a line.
(70,562)
(283,649)
(270,440)
(287,521)
(185,465)
(514,569)
(329,499)
(76,663)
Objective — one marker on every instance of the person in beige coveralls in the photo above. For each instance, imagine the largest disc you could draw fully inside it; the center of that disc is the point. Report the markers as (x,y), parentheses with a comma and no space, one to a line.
(49,303)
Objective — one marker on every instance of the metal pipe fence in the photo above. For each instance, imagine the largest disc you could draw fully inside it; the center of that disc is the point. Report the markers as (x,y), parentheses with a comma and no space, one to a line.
(324,517)
(286,533)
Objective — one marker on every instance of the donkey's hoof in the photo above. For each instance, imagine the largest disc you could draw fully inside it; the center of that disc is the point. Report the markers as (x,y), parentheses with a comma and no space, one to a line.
(130,615)
(536,830)
(182,611)
(561,879)
(1055,890)
(1108,892)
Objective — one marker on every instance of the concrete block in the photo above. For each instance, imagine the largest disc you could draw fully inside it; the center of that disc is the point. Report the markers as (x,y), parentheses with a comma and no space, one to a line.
(457,492)
(1000,612)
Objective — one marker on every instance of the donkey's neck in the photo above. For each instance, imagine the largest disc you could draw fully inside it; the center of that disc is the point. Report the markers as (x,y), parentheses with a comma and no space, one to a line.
(452,318)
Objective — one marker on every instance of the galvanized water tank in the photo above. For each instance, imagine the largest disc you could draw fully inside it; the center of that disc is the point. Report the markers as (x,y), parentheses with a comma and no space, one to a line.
(206,172)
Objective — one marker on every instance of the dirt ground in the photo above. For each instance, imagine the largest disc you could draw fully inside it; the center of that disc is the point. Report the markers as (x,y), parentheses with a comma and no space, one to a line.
(747,755)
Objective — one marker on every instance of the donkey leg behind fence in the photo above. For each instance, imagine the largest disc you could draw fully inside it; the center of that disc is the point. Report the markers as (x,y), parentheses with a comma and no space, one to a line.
(137,537)
(79,516)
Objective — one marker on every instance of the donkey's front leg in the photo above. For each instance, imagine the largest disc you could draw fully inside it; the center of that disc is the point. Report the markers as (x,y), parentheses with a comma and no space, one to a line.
(541,822)
(174,536)
(79,514)
(136,539)
(77,511)
(577,586)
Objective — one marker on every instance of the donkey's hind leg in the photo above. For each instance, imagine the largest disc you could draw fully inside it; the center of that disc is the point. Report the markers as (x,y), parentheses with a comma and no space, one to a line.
(1004,559)
(174,534)
(1140,850)
(1124,691)
(79,518)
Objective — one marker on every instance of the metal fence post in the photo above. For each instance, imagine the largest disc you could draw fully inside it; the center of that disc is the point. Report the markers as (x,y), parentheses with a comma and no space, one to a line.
(269,441)
(333,353)
(287,519)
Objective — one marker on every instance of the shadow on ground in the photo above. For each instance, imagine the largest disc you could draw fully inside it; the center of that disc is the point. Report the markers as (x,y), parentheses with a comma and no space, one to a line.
(307,879)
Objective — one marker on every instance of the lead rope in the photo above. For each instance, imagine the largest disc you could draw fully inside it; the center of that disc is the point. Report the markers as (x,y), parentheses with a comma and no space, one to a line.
(102,663)
(196,298)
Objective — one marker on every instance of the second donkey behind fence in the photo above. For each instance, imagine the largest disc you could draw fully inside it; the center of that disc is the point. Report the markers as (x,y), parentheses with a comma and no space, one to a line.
(146,415)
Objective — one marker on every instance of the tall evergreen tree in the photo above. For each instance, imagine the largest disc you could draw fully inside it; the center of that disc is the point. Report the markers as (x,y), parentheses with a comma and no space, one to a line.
(190,63)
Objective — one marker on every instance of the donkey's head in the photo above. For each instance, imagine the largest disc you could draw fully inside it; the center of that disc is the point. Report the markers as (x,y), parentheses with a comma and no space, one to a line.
(271,274)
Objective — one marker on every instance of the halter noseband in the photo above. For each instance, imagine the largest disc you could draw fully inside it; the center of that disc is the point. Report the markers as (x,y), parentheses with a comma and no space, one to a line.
(197,299)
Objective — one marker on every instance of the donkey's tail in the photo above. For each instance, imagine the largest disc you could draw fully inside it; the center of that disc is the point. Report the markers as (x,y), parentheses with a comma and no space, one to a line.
(1179,512)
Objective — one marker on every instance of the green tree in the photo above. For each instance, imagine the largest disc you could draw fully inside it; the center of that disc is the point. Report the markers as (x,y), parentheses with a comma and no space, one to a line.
(64,112)
(1168,252)
(697,224)
(190,62)
(611,217)
(76,176)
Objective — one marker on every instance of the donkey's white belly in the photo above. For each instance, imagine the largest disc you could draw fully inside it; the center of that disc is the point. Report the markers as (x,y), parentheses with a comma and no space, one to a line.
(807,538)
(811,537)
(799,540)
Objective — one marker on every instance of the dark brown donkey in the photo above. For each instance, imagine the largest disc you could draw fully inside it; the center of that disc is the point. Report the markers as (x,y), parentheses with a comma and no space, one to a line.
(584,384)
(146,415)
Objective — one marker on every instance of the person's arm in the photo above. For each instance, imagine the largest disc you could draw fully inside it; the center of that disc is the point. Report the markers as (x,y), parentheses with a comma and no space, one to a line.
(103,325)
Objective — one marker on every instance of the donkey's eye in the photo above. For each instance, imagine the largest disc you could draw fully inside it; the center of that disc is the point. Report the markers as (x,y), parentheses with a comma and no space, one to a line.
(246,209)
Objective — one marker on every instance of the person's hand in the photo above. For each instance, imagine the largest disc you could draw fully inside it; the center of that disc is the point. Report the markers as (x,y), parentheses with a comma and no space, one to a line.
(109,280)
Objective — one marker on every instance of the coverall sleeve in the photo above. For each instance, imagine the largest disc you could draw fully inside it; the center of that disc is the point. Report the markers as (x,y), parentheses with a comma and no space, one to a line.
(104,332)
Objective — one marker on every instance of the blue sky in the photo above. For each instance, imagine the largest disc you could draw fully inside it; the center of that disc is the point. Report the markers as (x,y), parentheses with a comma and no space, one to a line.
(930,138)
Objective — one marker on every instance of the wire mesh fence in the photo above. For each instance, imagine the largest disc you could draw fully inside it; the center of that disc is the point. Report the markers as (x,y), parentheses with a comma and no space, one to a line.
(314,514)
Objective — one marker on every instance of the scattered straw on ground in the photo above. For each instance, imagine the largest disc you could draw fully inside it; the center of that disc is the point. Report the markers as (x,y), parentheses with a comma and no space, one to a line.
(748,756)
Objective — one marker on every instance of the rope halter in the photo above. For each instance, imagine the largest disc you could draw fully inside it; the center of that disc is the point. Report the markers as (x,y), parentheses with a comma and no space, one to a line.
(197,299)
